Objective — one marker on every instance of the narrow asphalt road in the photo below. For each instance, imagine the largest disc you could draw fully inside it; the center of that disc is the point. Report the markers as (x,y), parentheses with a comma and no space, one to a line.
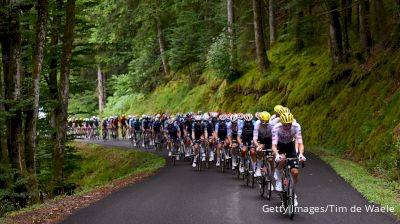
(180,195)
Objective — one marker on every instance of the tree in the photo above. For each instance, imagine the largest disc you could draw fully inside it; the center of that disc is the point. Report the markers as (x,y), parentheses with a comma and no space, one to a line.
(335,33)
(272,21)
(34,92)
(61,110)
(262,58)
(232,34)
(365,30)
(11,54)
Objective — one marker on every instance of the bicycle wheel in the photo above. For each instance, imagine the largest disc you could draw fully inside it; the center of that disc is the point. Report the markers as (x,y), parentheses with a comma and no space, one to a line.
(291,195)
(269,181)
(222,160)
(261,186)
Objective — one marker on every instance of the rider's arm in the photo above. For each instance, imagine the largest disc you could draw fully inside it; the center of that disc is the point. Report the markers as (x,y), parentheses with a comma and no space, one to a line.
(255,133)
(193,131)
(275,138)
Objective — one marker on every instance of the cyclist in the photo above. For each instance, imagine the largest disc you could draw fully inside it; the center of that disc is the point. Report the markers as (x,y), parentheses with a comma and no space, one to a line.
(136,124)
(157,129)
(188,130)
(210,129)
(221,134)
(244,138)
(199,133)
(232,136)
(172,134)
(115,127)
(262,138)
(283,146)
(124,125)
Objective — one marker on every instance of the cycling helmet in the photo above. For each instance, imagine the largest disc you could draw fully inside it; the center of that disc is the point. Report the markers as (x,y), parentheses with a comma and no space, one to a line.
(170,121)
(248,117)
(283,110)
(222,117)
(286,118)
(206,117)
(197,118)
(234,117)
(278,108)
(182,120)
(265,116)
(240,115)
(257,115)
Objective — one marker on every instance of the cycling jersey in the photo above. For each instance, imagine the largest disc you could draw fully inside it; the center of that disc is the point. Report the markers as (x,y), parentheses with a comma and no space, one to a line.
(136,124)
(209,127)
(263,134)
(281,135)
(233,127)
(115,122)
(221,129)
(198,129)
(123,121)
(188,125)
(172,131)
(145,124)
(246,132)
(156,126)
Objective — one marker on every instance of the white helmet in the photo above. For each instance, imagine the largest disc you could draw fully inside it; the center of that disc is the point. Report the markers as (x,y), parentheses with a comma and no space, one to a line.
(257,114)
(206,117)
(197,118)
(240,115)
(170,121)
(248,117)
(234,117)
(222,117)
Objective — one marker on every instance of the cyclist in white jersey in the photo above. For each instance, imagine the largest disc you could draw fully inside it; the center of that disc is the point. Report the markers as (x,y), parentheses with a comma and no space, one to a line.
(262,138)
(283,146)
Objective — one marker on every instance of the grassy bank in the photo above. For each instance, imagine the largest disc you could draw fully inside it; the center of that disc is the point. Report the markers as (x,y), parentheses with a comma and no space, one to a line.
(100,164)
(92,167)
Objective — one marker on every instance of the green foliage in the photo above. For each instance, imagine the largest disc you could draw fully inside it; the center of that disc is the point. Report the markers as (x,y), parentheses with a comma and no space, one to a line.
(218,55)
(98,165)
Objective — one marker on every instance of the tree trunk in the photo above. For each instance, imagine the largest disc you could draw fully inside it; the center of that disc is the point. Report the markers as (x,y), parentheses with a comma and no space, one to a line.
(101,88)
(272,21)
(299,40)
(345,23)
(349,11)
(380,23)
(335,34)
(365,30)
(55,36)
(262,58)
(5,52)
(232,35)
(33,107)
(12,84)
(61,110)
(161,44)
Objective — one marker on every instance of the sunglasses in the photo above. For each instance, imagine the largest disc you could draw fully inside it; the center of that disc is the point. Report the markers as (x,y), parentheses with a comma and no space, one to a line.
(287,125)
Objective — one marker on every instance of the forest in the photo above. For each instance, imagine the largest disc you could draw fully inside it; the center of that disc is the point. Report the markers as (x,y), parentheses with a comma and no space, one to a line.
(335,63)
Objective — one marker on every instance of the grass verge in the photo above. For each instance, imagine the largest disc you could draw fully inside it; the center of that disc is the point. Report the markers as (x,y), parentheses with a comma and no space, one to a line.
(375,189)
(97,171)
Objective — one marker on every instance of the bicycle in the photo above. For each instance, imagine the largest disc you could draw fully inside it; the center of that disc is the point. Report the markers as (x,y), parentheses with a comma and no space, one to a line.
(136,141)
(288,191)
(266,174)
(175,150)
(199,157)
(157,141)
(248,168)
(146,139)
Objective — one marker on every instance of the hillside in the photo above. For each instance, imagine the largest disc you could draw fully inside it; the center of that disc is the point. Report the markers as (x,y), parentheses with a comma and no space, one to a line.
(352,110)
